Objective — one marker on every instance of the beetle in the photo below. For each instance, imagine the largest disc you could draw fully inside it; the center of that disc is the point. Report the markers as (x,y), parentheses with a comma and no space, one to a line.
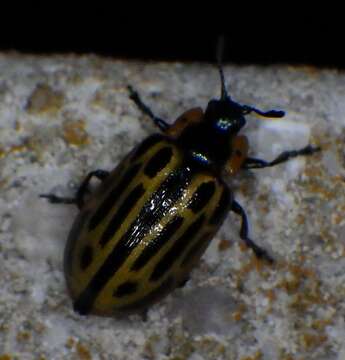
(140,233)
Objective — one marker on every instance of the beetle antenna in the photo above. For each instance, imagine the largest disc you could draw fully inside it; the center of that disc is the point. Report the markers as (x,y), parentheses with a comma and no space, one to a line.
(220,52)
(224,93)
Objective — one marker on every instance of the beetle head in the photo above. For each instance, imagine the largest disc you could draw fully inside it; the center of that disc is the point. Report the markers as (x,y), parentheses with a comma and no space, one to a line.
(225,115)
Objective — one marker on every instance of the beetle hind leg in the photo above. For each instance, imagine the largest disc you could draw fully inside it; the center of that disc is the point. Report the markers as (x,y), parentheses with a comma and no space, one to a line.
(84,187)
(134,96)
(54,199)
(183,282)
(259,252)
(79,199)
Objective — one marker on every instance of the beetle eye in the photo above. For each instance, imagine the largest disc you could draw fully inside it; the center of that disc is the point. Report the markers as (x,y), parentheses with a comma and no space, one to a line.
(223,124)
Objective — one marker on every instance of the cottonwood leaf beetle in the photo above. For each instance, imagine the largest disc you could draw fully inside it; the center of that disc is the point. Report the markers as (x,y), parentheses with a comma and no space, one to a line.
(138,236)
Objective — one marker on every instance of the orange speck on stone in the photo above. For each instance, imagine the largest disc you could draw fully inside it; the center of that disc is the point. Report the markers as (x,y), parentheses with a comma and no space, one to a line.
(309,340)
(18,126)
(74,133)
(310,70)
(271,295)
(6,357)
(237,315)
(301,271)
(83,352)
(44,99)
(320,324)
(336,219)
(313,171)
(300,219)
(17,148)
(319,189)
(243,246)
(302,258)
(23,336)
(224,245)
(70,343)
(256,356)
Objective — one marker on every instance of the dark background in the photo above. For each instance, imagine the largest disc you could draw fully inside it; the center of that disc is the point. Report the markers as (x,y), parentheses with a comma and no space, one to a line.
(264,39)
(256,49)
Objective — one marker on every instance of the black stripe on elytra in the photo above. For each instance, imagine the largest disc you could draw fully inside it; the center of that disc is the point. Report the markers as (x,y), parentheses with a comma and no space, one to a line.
(157,243)
(201,196)
(146,145)
(158,161)
(111,199)
(125,289)
(121,214)
(158,293)
(156,207)
(177,249)
(222,208)
(86,257)
(195,251)
(70,253)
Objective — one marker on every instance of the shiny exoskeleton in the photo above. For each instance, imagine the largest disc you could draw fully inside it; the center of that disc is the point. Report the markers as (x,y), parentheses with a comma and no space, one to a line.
(138,236)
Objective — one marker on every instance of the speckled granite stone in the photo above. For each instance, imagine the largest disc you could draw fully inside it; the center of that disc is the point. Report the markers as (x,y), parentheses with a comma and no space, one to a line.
(63,116)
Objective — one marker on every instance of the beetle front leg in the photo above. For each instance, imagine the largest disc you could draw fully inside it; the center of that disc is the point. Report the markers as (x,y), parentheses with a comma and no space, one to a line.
(259,252)
(79,199)
(133,95)
(253,163)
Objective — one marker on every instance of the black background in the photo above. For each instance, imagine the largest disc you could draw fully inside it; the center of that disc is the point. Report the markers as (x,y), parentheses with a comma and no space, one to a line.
(306,49)
(250,38)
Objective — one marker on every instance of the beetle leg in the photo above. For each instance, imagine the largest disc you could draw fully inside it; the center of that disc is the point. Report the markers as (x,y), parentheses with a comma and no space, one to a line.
(253,163)
(259,252)
(54,199)
(144,315)
(133,95)
(83,188)
(183,282)
(269,114)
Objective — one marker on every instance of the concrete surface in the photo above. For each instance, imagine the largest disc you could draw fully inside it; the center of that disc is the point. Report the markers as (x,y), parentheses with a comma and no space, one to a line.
(62,116)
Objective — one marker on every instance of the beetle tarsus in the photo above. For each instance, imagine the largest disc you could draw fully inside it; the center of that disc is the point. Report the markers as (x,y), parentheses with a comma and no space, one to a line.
(269,114)
(259,252)
(54,199)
